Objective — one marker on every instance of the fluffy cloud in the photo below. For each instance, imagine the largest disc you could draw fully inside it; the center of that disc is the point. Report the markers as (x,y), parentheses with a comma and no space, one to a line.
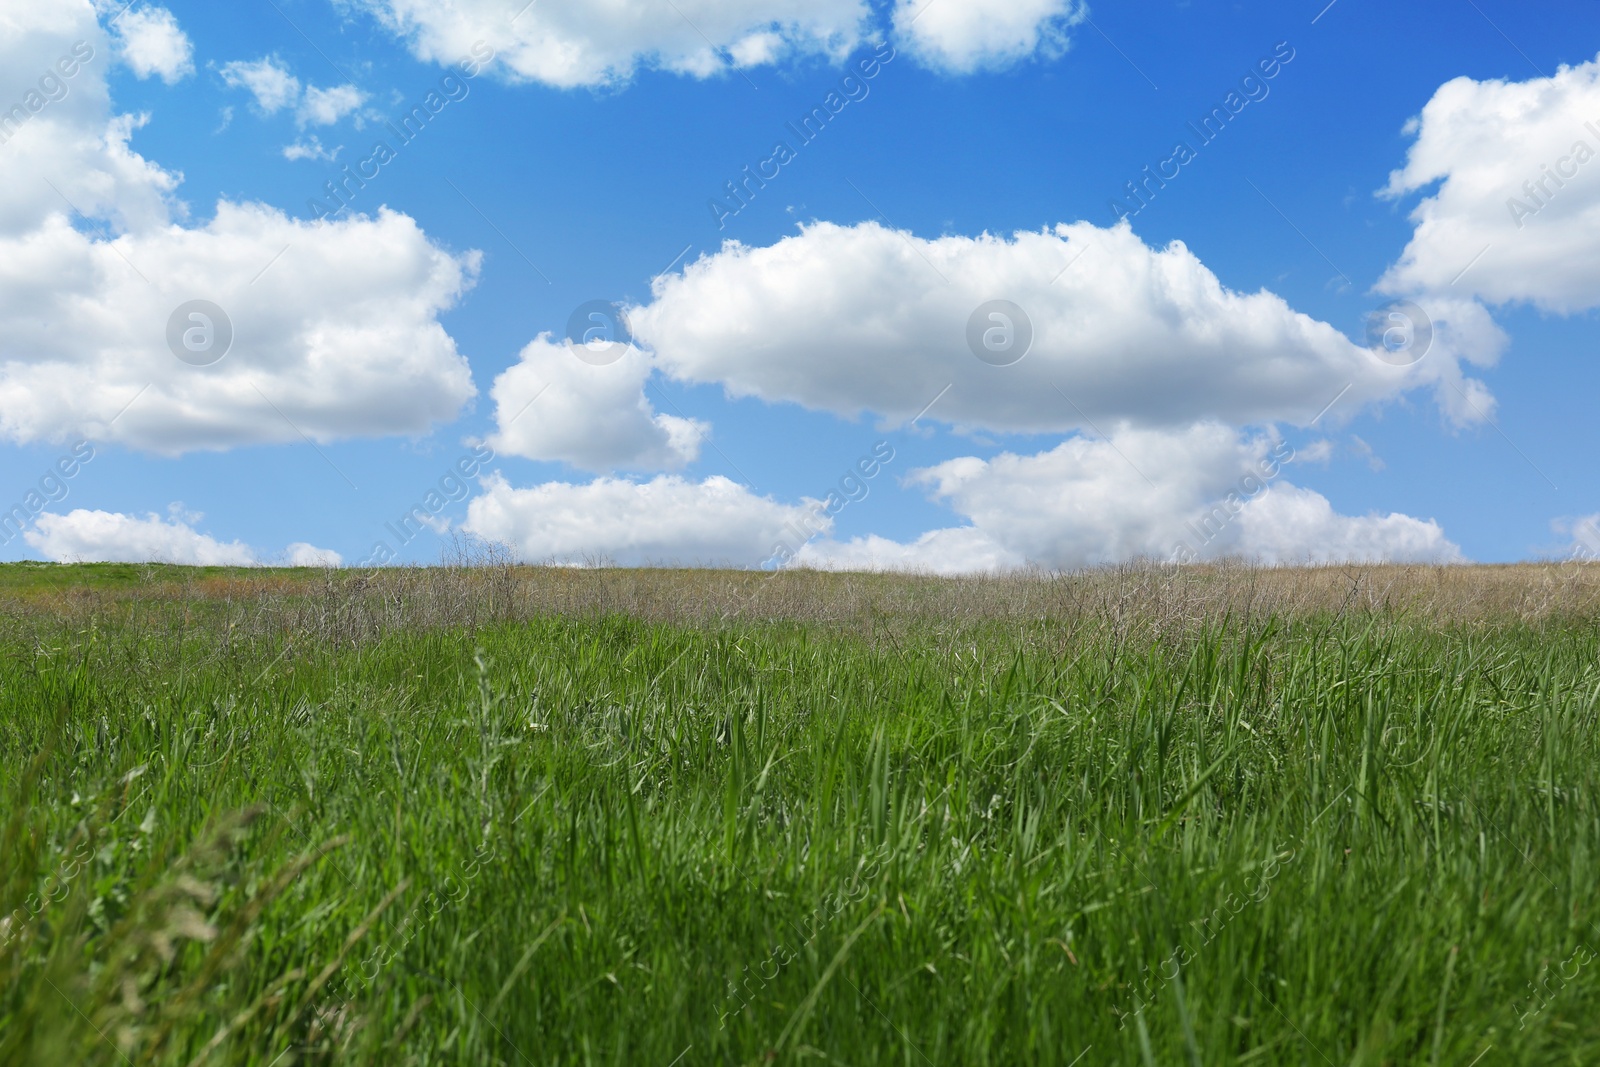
(1516,215)
(668,520)
(554,406)
(959,550)
(335,324)
(112,537)
(569,45)
(152,44)
(67,138)
(301,554)
(338,338)
(1290,524)
(266,79)
(961,36)
(324,107)
(573,45)
(311,148)
(275,89)
(1201,493)
(863,318)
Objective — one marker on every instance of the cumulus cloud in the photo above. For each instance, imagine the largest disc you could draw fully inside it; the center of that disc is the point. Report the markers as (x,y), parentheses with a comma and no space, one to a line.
(83,536)
(334,325)
(153,45)
(1291,524)
(1516,212)
(570,45)
(301,554)
(275,89)
(324,107)
(552,405)
(335,332)
(1204,492)
(1200,493)
(267,79)
(311,148)
(589,45)
(668,520)
(71,141)
(862,318)
(1145,342)
(958,550)
(961,36)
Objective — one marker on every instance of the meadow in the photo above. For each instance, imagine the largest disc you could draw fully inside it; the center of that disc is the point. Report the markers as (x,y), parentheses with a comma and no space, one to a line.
(507,815)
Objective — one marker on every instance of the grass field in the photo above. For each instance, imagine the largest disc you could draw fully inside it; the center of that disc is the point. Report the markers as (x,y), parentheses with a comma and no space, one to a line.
(522,816)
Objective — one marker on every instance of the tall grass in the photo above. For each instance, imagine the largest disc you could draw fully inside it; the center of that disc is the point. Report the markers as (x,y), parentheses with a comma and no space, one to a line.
(902,836)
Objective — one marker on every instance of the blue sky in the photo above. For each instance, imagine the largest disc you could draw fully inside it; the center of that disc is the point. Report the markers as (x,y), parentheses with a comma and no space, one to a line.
(376,350)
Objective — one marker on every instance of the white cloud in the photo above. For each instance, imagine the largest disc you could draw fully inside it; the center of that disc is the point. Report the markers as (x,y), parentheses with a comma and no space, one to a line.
(961,36)
(1516,212)
(863,318)
(570,45)
(664,521)
(1200,493)
(1318,451)
(757,50)
(337,338)
(1290,524)
(1583,536)
(1097,501)
(112,537)
(275,89)
(154,45)
(301,554)
(551,405)
(959,550)
(311,148)
(70,140)
(324,107)
(335,324)
(267,79)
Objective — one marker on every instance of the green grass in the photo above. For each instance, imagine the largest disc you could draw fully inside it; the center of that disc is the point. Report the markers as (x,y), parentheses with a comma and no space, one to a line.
(1343,839)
